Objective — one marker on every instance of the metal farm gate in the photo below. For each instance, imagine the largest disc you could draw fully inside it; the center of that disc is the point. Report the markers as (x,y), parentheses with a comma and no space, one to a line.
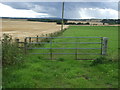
(78,42)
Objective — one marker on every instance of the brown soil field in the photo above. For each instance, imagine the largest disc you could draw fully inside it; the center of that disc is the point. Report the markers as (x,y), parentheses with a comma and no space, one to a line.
(22,28)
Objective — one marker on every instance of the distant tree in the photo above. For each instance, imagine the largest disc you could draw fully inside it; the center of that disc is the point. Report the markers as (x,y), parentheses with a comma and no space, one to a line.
(87,23)
(60,21)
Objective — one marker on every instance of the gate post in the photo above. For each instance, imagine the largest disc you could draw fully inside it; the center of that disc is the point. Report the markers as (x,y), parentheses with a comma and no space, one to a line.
(104,45)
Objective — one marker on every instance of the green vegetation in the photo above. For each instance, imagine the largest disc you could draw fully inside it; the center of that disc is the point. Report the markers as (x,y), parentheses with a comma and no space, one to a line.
(66,72)
(11,54)
(58,21)
(73,23)
(85,31)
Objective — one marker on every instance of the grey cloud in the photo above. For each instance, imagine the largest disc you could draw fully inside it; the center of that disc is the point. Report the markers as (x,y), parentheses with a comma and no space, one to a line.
(19,5)
(55,8)
(52,8)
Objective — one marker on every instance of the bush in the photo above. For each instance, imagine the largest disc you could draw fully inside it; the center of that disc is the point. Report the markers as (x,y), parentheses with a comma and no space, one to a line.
(11,54)
(87,23)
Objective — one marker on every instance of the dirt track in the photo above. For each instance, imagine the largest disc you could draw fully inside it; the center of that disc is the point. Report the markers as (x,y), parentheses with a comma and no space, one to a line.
(22,28)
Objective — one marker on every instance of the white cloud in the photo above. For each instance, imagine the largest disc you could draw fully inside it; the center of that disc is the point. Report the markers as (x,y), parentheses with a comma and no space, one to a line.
(88,13)
(7,11)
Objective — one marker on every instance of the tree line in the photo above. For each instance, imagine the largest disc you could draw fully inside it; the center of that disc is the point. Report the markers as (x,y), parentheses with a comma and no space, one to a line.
(59,21)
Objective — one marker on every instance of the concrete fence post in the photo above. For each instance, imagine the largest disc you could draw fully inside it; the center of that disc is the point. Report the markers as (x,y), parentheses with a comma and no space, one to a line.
(104,45)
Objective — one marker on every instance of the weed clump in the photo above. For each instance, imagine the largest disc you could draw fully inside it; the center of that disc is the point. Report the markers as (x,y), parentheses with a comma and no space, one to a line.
(61,59)
(99,60)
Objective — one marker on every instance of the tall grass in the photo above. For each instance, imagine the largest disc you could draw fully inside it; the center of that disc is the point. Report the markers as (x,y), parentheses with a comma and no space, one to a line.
(11,54)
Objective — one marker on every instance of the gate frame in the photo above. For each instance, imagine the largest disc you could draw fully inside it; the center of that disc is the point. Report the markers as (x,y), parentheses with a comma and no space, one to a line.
(104,42)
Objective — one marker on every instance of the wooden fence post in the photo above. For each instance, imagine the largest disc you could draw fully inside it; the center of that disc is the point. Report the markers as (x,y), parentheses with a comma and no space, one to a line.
(104,45)
(17,42)
(25,45)
(30,40)
(37,39)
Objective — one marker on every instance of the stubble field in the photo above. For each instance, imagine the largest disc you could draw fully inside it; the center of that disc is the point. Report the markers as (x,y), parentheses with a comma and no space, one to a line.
(22,28)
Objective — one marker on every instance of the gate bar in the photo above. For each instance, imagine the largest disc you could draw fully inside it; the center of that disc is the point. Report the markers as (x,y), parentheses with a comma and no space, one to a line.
(67,42)
(63,48)
(70,53)
(63,37)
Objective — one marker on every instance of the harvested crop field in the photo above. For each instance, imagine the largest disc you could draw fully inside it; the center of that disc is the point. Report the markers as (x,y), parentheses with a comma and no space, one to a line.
(22,28)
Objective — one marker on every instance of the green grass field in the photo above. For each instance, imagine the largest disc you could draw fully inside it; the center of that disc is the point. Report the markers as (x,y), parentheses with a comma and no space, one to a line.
(65,71)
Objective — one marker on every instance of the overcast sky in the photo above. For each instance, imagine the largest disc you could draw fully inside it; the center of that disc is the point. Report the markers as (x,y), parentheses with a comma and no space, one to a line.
(73,10)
